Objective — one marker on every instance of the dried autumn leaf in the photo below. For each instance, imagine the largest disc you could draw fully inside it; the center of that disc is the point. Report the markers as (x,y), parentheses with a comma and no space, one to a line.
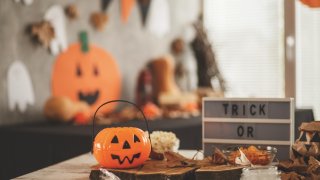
(314,168)
(291,176)
(176,160)
(72,11)
(44,32)
(218,157)
(98,20)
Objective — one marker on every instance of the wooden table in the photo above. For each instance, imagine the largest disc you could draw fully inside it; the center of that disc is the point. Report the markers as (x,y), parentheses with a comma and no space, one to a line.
(79,167)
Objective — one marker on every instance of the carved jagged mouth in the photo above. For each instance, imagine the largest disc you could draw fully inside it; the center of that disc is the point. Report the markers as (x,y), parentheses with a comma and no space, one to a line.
(89,98)
(113,156)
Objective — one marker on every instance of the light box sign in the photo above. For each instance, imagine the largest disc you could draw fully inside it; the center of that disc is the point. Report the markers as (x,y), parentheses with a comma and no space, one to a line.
(229,122)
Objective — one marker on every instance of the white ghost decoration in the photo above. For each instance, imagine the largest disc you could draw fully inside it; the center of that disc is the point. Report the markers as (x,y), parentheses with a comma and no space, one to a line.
(20,90)
(158,21)
(55,15)
(25,2)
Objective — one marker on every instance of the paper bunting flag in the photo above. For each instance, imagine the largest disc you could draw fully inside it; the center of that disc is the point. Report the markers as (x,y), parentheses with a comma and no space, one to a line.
(105,4)
(144,8)
(311,3)
(55,15)
(25,2)
(159,17)
(126,8)
(20,90)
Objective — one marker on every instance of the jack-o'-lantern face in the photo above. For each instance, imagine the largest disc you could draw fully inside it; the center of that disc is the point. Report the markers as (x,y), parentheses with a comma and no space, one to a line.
(92,76)
(121,147)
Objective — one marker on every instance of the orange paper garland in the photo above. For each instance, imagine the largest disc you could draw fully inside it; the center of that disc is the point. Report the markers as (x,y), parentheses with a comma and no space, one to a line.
(126,8)
(311,3)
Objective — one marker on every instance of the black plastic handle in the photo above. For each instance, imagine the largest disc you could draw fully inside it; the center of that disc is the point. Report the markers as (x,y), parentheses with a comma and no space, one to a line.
(118,100)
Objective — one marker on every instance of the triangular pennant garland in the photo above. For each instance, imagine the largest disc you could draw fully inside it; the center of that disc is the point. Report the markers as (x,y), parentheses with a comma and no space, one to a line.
(308,146)
(144,8)
(315,138)
(311,3)
(105,4)
(303,137)
(126,8)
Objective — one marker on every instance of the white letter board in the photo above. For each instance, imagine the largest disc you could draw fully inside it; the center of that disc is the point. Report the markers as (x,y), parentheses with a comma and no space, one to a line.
(229,122)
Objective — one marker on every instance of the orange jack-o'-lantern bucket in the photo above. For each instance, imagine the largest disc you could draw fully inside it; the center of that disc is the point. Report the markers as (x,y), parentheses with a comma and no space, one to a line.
(121,147)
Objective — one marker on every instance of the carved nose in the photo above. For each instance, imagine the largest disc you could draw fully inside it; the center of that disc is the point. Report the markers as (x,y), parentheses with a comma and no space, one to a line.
(126,145)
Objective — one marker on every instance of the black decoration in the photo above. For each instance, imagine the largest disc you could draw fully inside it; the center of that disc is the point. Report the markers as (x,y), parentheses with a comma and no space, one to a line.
(308,146)
(79,72)
(296,154)
(306,159)
(121,161)
(315,138)
(105,4)
(206,61)
(126,145)
(115,140)
(136,139)
(303,137)
(144,8)
(89,98)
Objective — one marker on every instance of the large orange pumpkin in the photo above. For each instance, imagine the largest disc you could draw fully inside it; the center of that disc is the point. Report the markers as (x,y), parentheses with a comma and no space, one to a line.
(91,76)
(122,147)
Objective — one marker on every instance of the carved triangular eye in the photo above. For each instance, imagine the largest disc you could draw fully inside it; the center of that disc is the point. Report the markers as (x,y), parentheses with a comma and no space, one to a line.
(136,139)
(115,140)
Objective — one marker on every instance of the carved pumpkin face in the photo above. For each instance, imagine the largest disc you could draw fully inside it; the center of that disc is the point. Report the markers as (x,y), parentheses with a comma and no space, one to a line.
(125,147)
(92,77)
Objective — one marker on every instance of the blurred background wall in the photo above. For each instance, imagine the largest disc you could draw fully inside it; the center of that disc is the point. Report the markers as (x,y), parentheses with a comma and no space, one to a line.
(130,44)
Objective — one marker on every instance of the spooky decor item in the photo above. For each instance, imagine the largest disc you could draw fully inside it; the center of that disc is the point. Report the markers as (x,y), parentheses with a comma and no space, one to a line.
(207,65)
(25,2)
(98,20)
(166,92)
(55,15)
(163,77)
(144,87)
(63,109)
(43,32)
(72,11)
(186,67)
(308,144)
(85,72)
(20,88)
(311,3)
(121,147)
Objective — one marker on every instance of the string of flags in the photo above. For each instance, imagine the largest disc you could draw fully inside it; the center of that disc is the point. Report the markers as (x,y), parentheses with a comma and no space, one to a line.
(155,14)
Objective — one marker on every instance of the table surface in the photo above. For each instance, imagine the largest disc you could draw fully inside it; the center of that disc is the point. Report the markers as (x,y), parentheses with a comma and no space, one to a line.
(80,167)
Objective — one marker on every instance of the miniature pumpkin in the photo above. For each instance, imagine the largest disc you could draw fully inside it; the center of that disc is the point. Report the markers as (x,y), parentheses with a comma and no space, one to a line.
(91,76)
(63,109)
(125,147)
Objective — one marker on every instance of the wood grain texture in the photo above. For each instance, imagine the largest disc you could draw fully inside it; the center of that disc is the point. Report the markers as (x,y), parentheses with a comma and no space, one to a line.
(80,168)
